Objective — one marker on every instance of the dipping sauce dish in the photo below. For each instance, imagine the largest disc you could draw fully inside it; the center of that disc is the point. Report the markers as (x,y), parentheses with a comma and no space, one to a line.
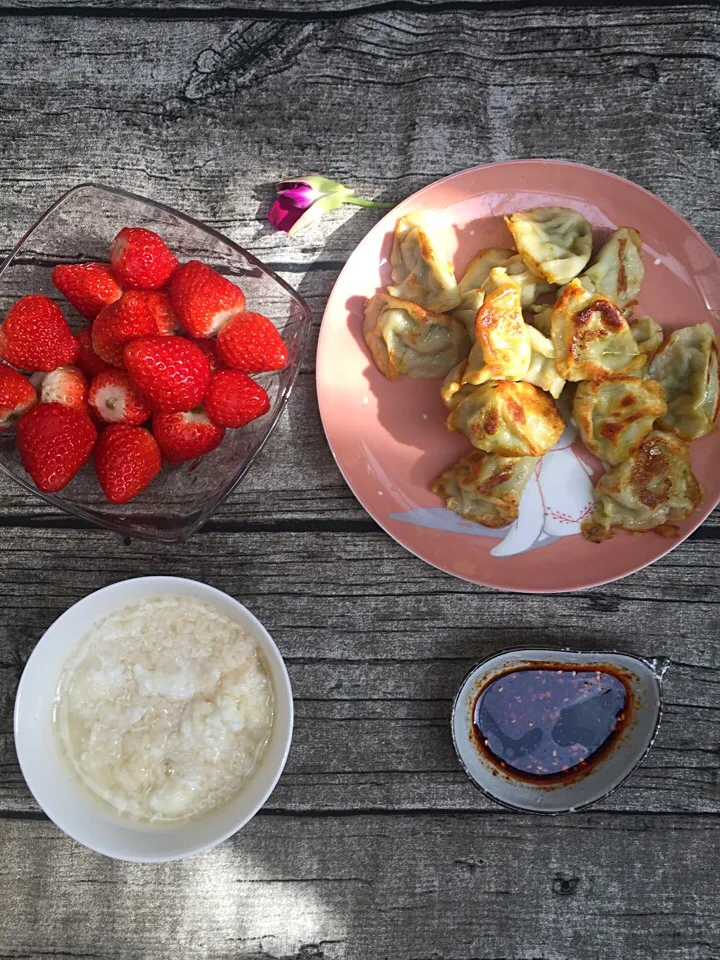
(550,731)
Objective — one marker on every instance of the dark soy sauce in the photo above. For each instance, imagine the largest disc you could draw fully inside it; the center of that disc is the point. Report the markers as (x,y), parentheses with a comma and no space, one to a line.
(550,722)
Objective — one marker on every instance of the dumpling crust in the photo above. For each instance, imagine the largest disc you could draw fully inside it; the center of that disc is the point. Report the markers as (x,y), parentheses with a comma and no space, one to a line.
(617,272)
(615,416)
(542,371)
(654,489)
(648,335)
(555,242)
(591,337)
(502,346)
(419,273)
(510,419)
(485,488)
(687,366)
(403,338)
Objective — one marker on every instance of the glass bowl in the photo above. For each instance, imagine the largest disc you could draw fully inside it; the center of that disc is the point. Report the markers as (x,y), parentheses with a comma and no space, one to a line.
(79,227)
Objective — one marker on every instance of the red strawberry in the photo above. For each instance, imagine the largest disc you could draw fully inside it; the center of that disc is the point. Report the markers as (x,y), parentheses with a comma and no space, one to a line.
(55,442)
(35,335)
(88,286)
(17,396)
(88,361)
(66,385)
(209,348)
(235,399)
(185,436)
(171,372)
(127,460)
(251,343)
(115,399)
(138,313)
(203,299)
(141,259)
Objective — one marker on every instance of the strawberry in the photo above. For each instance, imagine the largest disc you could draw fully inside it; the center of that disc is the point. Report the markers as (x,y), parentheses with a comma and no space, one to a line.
(115,399)
(35,335)
(250,343)
(209,348)
(127,460)
(55,442)
(185,436)
(17,396)
(139,313)
(234,399)
(141,260)
(88,286)
(88,361)
(66,385)
(203,299)
(172,373)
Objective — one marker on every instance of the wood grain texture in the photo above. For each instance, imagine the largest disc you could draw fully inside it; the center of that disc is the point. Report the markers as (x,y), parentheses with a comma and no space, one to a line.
(374,844)
(411,887)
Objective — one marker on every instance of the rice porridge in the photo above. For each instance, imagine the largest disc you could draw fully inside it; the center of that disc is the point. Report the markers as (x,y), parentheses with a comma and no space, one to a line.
(165,709)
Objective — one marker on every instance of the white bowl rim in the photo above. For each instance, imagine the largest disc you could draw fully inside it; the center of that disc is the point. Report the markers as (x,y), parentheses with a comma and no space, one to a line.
(166,585)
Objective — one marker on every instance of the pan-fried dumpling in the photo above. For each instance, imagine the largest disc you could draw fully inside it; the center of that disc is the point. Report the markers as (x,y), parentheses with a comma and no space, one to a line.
(648,335)
(654,489)
(617,271)
(419,273)
(615,416)
(531,285)
(502,346)
(485,488)
(472,285)
(510,419)
(405,338)
(687,366)
(540,317)
(591,337)
(542,371)
(555,242)
(453,390)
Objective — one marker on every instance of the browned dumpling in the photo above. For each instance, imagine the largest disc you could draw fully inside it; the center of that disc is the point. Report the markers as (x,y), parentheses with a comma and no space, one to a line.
(404,338)
(615,416)
(485,488)
(617,271)
(555,242)
(687,366)
(502,346)
(654,489)
(472,287)
(479,281)
(510,419)
(419,272)
(591,337)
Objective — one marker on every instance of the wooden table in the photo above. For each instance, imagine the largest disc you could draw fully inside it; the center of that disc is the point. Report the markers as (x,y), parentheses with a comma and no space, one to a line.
(374,844)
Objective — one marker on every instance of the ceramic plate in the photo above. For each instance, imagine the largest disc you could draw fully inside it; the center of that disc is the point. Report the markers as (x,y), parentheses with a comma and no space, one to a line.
(390,440)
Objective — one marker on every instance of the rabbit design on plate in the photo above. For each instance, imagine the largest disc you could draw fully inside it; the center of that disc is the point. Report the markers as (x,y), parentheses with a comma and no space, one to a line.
(554,503)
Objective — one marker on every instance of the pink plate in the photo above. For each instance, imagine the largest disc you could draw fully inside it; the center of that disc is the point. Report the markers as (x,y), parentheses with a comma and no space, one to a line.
(390,440)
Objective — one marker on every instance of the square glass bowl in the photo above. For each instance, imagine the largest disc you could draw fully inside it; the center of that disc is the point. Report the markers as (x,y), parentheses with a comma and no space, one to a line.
(79,227)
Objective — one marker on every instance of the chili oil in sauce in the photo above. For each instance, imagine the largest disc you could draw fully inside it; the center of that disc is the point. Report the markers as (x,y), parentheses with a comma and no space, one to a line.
(550,722)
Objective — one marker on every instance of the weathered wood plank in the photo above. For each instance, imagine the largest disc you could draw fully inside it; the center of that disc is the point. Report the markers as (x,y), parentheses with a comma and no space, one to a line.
(567,888)
(377,643)
(203,113)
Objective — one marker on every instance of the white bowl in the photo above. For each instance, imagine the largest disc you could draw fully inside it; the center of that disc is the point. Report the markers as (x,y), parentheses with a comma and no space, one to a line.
(51,783)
